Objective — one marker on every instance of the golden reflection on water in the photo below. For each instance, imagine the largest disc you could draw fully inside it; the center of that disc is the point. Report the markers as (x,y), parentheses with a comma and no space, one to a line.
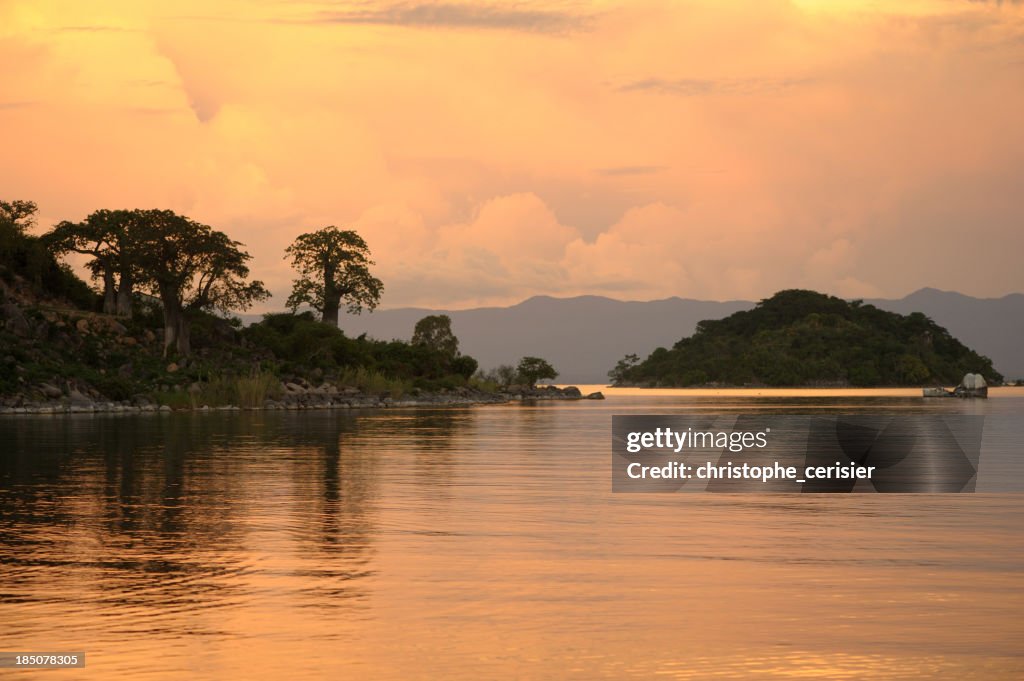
(777,393)
(477,543)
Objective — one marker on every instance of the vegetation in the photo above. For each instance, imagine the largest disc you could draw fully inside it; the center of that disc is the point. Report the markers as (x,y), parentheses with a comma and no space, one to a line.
(28,259)
(526,373)
(106,236)
(193,269)
(334,267)
(435,332)
(802,338)
(164,279)
(190,266)
(533,369)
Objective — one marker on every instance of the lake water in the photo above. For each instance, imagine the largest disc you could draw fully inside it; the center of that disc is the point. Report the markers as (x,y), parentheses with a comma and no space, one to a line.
(485,542)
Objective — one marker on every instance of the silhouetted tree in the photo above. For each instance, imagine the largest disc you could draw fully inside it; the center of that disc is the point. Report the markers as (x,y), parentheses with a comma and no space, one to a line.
(334,267)
(620,374)
(107,236)
(533,369)
(191,267)
(435,332)
(19,215)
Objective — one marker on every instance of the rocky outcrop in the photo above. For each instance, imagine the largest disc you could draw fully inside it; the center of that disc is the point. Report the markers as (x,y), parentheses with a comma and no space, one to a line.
(295,394)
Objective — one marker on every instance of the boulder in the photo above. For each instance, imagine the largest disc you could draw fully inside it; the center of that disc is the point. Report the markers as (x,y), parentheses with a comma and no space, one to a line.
(16,322)
(78,399)
(571,391)
(596,396)
(50,391)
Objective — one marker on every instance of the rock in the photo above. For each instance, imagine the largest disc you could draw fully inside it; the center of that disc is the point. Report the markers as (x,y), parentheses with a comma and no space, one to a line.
(125,370)
(16,322)
(78,399)
(572,391)
(294,388)
(149,336)
(165,408)
(596,396)
(128,340)
(82,325)
(117,327)
(50,391)
(171,368)
(42,329)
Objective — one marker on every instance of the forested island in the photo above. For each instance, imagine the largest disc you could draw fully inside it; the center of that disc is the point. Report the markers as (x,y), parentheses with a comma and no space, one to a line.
(801,338)
(155,333)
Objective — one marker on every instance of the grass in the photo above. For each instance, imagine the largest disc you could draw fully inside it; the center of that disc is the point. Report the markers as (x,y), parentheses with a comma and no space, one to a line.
(374,382)
(240,391)
(483,384)
(253,389)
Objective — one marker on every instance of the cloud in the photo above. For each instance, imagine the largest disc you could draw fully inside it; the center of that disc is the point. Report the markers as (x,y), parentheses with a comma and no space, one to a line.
(706,87)
(450,15)
(630,170)
(843,150)
(97,28)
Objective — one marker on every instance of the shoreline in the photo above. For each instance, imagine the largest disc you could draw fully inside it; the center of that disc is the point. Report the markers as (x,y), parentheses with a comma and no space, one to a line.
(309,401)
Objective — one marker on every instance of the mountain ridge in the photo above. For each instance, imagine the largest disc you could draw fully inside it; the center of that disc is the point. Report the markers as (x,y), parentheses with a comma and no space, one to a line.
(584,336)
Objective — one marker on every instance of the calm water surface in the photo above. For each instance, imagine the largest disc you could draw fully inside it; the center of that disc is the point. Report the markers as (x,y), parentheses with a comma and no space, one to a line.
(485,543)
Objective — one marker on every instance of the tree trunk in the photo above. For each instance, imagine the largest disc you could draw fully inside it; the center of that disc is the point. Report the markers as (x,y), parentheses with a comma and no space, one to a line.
(332,297)
(184,335)
(172,318)
(109,294)
(331,313)
(170,331)
(124,296)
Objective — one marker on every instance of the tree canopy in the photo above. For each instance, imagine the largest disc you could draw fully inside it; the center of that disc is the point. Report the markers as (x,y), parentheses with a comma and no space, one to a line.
(799,338)
(435,332)
(107,236)
(191,267)
(533,369)
(334,267)
(18,214)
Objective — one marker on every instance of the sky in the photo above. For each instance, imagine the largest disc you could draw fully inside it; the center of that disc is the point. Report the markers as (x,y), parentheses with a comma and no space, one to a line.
(488,152)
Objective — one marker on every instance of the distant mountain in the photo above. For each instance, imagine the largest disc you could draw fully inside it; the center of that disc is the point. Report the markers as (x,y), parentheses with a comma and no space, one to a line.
(584,337)
(804,338)
(992,326)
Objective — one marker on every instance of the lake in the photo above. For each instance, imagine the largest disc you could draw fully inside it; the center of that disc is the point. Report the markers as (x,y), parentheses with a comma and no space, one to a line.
(485,542)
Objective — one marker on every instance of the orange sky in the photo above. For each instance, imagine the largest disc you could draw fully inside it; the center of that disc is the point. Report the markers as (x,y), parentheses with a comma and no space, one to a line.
(487,152)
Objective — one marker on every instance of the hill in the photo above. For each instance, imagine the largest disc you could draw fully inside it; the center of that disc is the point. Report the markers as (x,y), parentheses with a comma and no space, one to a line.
(582,337)
(802,338)
(585,336)
(992,326)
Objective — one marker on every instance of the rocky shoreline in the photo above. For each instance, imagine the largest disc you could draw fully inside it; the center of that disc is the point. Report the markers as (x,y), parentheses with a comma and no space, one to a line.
(295,396)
